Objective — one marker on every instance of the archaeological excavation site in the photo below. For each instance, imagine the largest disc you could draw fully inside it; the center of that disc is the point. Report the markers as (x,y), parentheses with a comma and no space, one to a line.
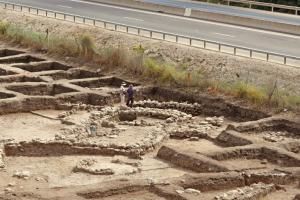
(64,135)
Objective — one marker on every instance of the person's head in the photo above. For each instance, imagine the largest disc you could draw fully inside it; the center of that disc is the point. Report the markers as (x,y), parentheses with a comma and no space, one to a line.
(131,86)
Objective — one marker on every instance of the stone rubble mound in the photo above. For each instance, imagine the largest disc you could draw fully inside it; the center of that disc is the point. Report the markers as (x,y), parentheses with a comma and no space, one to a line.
(251,192)
(119,167)
(194,109)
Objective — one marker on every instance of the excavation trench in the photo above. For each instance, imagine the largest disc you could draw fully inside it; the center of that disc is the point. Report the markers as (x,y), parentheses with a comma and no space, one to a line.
(170,145)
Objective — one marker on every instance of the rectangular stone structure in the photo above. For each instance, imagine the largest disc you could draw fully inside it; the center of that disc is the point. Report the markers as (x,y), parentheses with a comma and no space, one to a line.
(227,49)
(212,46)
(170,38)
(145,33)
(259,55)
(157,35)
(243,52)
(100,24)
(121,28)
(134,31)
(197,43)
(184,40)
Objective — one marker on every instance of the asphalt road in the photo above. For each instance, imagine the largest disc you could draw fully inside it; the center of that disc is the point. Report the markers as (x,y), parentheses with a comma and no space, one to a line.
(230,10)
(229,34)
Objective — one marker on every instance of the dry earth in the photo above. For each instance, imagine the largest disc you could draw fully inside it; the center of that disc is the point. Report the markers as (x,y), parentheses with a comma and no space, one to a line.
(64,135)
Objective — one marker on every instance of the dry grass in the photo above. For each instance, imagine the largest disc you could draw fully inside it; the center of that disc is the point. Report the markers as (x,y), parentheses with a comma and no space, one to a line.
(134,61)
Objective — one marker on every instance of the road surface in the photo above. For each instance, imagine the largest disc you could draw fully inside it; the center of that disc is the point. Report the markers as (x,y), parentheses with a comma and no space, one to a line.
(235,35)
(231,10)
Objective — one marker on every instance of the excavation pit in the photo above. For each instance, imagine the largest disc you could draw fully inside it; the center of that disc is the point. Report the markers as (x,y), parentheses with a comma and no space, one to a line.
(20,59)
(6,95)
(95,83)
(41,89)
(60,134)
(20,79)
(9,52)
(30,125)
(4,72)
(42,66)
(73,74)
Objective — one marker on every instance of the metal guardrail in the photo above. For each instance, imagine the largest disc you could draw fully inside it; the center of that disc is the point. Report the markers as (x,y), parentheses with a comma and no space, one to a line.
(250,4)
(158,35)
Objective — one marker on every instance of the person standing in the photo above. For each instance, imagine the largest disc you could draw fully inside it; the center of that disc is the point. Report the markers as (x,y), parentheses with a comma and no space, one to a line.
(130,96)
(122,93)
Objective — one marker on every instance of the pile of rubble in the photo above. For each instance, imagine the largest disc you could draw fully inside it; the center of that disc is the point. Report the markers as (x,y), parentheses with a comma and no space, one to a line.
(92,166)
(197,130)
(251,192)
(194,109)
(74,108)
(278,136)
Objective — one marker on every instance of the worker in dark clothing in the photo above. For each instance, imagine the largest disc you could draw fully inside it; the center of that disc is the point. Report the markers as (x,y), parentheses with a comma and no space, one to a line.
(130,96)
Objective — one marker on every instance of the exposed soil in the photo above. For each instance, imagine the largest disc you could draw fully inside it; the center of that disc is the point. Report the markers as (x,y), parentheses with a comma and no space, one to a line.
(64,135)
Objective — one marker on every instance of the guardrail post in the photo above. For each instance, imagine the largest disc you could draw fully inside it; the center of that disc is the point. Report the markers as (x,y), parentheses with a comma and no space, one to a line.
(272,8)
(250,53)
(234,51)
(268,57)
(284,60)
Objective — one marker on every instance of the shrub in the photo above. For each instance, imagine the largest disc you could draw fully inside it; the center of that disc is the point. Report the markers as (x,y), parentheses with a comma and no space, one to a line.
(3,27)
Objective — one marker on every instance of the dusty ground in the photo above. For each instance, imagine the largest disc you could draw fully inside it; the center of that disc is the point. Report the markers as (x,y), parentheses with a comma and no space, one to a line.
(64,135)
(216,65)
